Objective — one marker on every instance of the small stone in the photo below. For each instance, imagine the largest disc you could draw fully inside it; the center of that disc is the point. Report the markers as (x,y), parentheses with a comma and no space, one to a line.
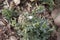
(16,2)
(57,21)
(56,16)
(1,23)
(13,38)
(32,0)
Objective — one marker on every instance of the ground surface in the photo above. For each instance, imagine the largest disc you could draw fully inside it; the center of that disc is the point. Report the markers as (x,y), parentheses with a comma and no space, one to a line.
(8,33)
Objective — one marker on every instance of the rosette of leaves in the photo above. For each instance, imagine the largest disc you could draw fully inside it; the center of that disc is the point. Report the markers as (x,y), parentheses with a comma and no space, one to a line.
(35,28)
(48,2)
(10,15)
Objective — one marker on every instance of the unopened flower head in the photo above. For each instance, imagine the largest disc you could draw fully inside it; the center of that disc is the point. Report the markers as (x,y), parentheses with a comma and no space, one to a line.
(30,17)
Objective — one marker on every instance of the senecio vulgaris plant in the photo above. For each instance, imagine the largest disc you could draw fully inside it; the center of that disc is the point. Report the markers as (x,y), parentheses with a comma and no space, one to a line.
(35,28)
(29,26)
